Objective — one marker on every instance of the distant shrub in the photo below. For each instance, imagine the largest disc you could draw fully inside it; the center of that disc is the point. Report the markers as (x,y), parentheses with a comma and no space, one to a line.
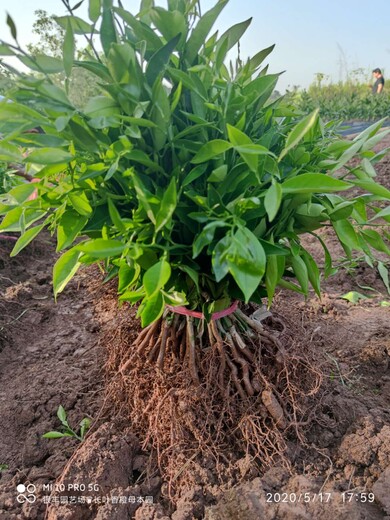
(346,101)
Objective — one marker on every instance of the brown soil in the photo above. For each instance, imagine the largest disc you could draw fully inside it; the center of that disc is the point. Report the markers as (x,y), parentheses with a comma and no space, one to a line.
(52,354)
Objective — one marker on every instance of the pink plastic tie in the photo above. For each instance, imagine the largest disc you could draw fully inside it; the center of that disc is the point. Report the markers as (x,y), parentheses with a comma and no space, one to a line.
(195,314)
(34,194)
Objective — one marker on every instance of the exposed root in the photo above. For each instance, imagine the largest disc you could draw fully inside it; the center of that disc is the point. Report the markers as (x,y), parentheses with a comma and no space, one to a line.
(163,345)
(216,341)
(232,386)
(191,350)
(274,408)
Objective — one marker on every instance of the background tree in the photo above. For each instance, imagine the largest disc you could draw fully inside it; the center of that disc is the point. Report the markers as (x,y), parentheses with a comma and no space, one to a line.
(82,84)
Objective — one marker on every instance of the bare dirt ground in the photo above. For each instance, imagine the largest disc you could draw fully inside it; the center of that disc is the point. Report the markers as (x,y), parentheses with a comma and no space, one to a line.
(56,353)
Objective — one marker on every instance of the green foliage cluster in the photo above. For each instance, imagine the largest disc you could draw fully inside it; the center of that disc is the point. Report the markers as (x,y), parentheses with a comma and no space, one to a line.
(7,180)
(185,178)
(345,100)
(67,430)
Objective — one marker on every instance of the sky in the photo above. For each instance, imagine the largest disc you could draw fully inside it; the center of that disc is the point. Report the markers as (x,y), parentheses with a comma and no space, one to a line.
(334,37)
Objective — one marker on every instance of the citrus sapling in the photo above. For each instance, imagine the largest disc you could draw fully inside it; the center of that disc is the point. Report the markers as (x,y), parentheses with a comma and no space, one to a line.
(67,430)
(191,185)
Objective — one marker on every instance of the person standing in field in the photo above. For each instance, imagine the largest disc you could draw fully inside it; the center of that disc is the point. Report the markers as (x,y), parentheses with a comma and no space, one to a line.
(377,87)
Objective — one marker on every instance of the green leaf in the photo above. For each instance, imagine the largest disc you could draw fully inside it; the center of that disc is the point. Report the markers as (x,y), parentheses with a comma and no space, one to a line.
(199,33)
(252,149)
(167,206)
(273,274)
(230,37)
(219,174)
(210,150)
(145,198)
(194,174)
(192,83)
(156,277)
(372,187)
(273,249)
(69,227)
(260,89)
(13,219)
(96,68)
(258,58)
(176,96)
(314,183)
(5,50)
(160,115)
(141,157)
(121,63)
(127,275)
(374,239)
(83,137)
(300,271)
(80,203)
(342,210)
(250,152)
(151,309)
(243,256)
(56,95)
(84,426)
(64,270)
(146,5)
(174,298)
(169,23)
(42,140)
(141,30)
(384,274)
(132,296)
(370,131)
(312,271)
(237,137)
(108,33)
(138,121)
(22,192)
(94,7)
(206,237)
(290,286)
(354,297)
(328,271)
(61,414)
(115,216)
(272,200)
(102,248)
(385,212)
(49,156)
(43,63)
(160,59)
(12,27)
(79,26)
(347,234)
(10,152)
(247,262)
(299,132)
(54,435)
(69,49)
(19,112)
(26,238)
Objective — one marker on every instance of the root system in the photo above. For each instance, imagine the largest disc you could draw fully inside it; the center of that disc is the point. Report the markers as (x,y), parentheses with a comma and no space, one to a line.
(228,389)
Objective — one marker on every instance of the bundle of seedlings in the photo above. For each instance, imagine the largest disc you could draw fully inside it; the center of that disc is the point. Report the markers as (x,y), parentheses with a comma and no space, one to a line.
(190,183)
